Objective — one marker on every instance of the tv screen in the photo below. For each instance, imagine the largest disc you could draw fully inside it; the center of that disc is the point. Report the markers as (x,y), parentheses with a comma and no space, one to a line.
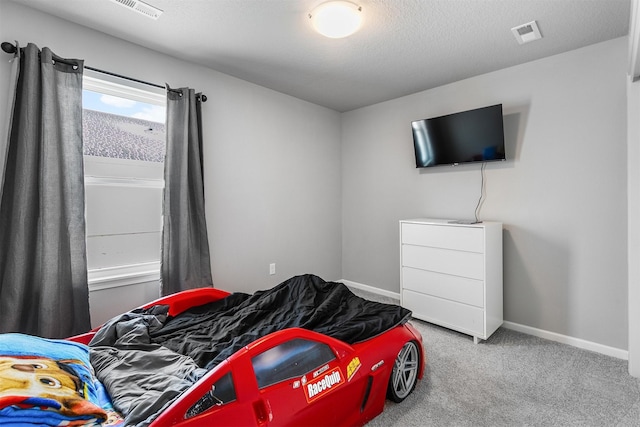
(469,136)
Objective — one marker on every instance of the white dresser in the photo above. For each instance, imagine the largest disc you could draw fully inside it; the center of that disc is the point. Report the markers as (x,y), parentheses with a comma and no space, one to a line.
(451,274)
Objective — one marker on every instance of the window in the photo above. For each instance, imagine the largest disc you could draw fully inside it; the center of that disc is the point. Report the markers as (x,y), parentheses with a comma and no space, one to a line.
(124,144)
(291,359)
(220,394)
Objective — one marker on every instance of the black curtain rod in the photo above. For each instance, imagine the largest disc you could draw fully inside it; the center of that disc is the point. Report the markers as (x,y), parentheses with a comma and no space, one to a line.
(10,48)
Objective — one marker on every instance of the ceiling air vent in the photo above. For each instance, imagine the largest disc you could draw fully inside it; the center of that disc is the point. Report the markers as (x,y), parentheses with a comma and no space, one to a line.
(527,32)
(140,7)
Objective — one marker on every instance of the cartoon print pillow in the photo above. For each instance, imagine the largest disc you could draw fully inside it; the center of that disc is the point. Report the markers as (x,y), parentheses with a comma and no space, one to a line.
(49,382)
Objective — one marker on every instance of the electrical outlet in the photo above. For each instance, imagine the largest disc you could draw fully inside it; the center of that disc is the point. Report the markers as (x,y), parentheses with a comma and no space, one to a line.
(272,269)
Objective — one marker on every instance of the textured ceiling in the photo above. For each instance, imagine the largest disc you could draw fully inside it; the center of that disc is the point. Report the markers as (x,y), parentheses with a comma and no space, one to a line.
(405,46)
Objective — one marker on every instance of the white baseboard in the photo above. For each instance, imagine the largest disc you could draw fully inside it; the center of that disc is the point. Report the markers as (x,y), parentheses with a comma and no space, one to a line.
(371,289)
(552,336)
(564,339)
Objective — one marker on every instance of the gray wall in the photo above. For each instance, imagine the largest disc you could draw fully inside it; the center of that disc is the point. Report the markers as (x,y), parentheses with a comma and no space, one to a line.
(561,197)
(272,162)
(273,179)
(633,123)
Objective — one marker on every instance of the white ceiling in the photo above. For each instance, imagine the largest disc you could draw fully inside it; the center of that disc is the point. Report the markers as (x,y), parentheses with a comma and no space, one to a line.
(405,46)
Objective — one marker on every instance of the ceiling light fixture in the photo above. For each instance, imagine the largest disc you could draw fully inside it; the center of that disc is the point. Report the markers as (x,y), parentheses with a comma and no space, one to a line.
(336,19)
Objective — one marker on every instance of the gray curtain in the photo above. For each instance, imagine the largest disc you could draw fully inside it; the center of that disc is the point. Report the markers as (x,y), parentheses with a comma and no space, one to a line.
(43,267)
(185,262)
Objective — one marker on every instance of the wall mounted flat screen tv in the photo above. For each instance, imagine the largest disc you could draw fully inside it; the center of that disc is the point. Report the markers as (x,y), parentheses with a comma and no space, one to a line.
(465,137)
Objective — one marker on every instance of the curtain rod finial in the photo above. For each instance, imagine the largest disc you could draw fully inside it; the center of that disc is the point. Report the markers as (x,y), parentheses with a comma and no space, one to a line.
(8,47)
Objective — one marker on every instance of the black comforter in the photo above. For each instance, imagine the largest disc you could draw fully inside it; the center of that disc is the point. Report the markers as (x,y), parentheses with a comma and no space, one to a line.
(146,358)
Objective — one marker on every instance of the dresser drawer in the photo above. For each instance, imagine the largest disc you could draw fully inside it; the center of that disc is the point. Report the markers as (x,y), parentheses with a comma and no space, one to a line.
(464,264)
(455,288)
(466,238)
(461,317)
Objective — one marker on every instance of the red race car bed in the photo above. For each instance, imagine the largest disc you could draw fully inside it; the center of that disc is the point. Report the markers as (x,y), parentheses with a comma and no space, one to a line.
(306,352)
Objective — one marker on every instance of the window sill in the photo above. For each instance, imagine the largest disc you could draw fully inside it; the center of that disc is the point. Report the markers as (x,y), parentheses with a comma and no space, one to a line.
(123,275)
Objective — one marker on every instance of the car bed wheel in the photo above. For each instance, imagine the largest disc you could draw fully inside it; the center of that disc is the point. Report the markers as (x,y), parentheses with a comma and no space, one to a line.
(404,375)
